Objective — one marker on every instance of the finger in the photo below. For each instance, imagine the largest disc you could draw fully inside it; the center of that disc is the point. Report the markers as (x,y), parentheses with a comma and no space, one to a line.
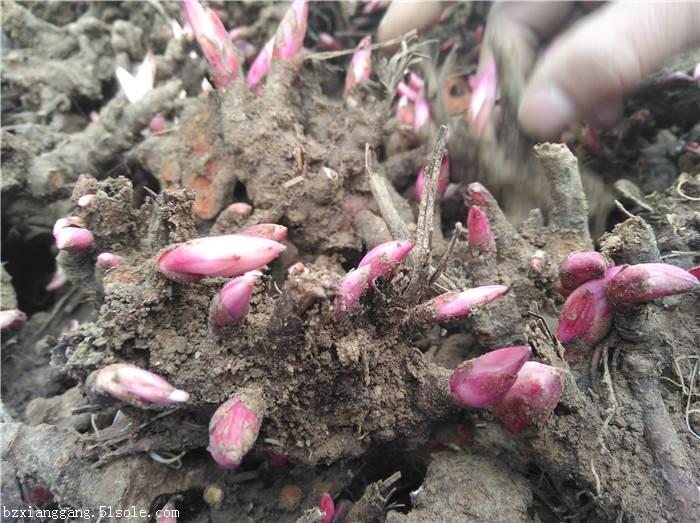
(601,58)
(521,27)
(401,17)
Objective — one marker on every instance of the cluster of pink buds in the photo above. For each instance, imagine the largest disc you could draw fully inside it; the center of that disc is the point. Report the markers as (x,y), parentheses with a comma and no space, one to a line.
(228,255)
(453,305)
(381,261)
(413,107)
(360,65)
(483,97)
(327,507)
(287,44)
(233,430)
(135,386)
(214,41)
(443,178)
(71,235)
(230,305)
(107,261)
(11,319)
(481,238)
(522,393)
(595,286)
(137,86)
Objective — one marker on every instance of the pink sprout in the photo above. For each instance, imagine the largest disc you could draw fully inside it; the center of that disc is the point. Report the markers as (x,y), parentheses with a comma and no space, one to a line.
(136,86)
(480,236)
(360,66)
(645,282)
(135,386)
(230,305)
(457,304)
(232,432)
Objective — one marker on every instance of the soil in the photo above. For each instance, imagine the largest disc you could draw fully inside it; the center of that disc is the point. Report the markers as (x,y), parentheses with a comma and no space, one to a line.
(360,407)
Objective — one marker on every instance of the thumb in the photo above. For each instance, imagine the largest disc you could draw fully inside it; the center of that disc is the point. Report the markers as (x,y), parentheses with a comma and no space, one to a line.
(602,57)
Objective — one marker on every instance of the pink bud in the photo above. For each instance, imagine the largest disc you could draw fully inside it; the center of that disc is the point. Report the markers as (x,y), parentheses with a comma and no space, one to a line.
(12,318)
(214,41)
(260,66)
(483,381)
(271,231)
(538,261)
(240,208)
(580,267)
(107,261)
(384,258)
(296,269)
(167,514)
(480,236)
(353,286)
(587,313)
(457,304)
(442,181)
(360,66)
(404,111)
(328,42)
(228,255)
(68,221)
(230,305)
(406,91)
(649,281)
(532,398)
(86,200)
(157,124)
(74,239)
(278,460)
(57,281)
(326,505)
(373,6)
(421,115)
(483,98)
(695,271)
(415,82)
(289,38)
(135,386)
(137,86)
(232,431)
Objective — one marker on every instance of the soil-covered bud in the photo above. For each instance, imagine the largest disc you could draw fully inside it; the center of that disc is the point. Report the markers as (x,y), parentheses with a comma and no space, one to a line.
(289,39)
(233,430)
(457,304)
(290,497)
(107,261)
(442,181)
(11,319)
(231,303)
(137,86)
(353,286)
(480,236)
(649,281)
(385,258)
(228,255)
(483,381)
(74,239)
(214,41)
(538,261)
(213,495)
(579,267)
(326,505)
(135,386)
(271,231)
(587,313)
(483,98)
(532,398)
(360,66)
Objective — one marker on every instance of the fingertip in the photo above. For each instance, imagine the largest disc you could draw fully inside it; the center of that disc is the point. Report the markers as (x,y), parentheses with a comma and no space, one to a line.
(545,111)
(401,17)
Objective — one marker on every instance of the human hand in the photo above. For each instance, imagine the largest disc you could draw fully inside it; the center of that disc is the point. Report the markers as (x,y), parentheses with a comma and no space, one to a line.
(588,66)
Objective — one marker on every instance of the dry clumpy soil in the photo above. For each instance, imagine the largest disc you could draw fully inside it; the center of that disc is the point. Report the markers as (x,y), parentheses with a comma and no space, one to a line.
(361,406)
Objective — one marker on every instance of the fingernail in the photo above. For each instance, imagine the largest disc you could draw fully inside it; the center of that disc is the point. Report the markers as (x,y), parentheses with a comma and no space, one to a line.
(546,111)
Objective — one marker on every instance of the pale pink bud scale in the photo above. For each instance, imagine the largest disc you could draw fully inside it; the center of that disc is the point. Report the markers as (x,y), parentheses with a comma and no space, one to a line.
(353,286)
(483,381)
(384,258)
(135,386)
(457,304)
(230,305)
